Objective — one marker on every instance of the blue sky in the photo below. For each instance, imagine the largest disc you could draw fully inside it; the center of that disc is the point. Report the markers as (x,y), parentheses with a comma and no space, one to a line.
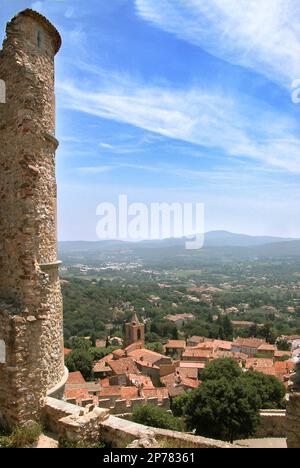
(177,101)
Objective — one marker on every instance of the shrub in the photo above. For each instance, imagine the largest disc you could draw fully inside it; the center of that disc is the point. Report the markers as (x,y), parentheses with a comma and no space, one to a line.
(153,416)
(22,436)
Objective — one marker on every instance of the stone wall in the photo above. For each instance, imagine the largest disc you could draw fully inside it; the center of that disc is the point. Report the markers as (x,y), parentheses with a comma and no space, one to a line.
(73,423)
(272,424)
(293,420)
(121,407)
(30,296)
(119,433)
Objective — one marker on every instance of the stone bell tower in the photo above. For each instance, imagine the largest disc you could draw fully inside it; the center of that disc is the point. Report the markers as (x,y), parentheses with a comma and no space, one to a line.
(31,329)
(135,331)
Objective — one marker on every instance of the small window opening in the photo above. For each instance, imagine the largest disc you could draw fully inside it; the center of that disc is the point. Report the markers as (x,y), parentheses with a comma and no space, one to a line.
(39,39)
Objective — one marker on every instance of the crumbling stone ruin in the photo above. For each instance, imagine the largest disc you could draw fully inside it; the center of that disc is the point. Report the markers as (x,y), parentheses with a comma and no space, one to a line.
(31,330)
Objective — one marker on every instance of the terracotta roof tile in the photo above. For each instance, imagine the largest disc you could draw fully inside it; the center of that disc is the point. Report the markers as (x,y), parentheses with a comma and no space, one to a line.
(180,344)
(197,352)
(249,342)
(75,378)
(123,366)
(259,362)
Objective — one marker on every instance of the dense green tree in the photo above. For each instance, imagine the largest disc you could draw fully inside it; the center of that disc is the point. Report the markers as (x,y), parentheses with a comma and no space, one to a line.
(268,333)
(283,345)
(156,346)
(269,389)
(178,404)
(79,343)
(80,360)
(154,416)
(221,368)
(223,409)
(99,353)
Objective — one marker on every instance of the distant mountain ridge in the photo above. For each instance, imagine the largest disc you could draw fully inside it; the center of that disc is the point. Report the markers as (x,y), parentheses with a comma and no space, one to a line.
(212,239)
(226,238)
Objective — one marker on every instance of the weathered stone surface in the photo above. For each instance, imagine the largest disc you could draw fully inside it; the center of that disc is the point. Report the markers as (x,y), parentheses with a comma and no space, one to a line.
(146,440)
(293,420)
(30,299)
(73,423)
(119,433)
(293,408)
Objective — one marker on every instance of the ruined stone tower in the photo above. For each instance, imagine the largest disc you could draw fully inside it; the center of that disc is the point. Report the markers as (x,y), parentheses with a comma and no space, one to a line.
(135,331)
(31,336)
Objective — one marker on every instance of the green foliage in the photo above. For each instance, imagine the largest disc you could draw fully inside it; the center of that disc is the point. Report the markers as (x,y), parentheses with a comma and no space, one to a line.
(226,368)
(99,353)
(21,437)
(225,331)
(267,332)
(156,346)
(178,405)
(284,358)
(165,329)
(80,360)
(77,342)
(269,389)
(154,416)
(223,409)
(226,406)
(283,345)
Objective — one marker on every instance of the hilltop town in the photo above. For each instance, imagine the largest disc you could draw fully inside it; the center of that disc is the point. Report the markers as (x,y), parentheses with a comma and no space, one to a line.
(132,375)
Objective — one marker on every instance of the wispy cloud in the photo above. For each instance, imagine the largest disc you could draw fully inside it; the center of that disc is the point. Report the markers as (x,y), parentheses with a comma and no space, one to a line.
(263,35)
(204,117)
(95,169)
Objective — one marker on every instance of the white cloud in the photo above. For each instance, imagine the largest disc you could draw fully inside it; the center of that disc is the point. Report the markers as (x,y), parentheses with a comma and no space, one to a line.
(236,125)
(263,35)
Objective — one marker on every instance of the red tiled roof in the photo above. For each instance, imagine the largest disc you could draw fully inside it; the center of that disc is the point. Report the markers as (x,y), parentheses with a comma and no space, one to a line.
(123,366)
(75,378)
(112,390)
(119,353)
(159,393)
(188,372)
(173,344)
(147,364)
(78,394)
(279,354)
(197,352)
(259,362)
(128,393)
(105,382)
(206,345)
(283,370)
(221,344)
(284,366)
(192,365)
(146,355)
(140,379)
(267,347)
(100,366)
(249,342)
(133,347)
(175,384)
